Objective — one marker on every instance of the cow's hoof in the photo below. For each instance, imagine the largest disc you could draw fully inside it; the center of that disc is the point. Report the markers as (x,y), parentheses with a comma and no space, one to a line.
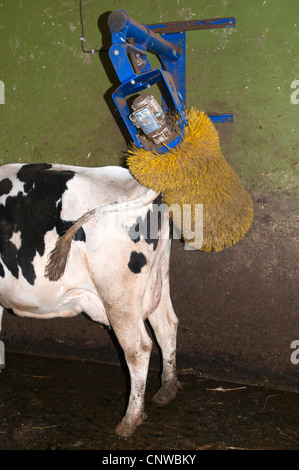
(126,429)
(162,398)
(166,394)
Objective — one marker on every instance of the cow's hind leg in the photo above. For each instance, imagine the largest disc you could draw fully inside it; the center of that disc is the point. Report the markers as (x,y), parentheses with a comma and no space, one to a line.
(1,345)
(137,347)
(1,315)
(164,323)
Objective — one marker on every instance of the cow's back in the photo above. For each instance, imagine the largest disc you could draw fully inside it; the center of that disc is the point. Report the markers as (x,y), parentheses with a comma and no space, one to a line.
(39,202)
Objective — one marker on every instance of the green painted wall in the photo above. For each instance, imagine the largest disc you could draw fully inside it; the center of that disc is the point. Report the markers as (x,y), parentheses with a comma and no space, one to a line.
(54,107)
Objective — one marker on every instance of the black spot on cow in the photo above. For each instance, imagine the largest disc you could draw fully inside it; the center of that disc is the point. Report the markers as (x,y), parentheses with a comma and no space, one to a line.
(32,213)
(80,235)
(137,261)
(2,273)
(27,174)
(5,186)
(149,228)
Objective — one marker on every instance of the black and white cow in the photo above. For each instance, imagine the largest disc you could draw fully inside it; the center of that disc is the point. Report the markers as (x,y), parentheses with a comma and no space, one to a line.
(115,273)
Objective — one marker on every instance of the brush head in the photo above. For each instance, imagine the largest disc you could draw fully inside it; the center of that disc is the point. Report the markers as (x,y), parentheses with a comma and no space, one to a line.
(196,172)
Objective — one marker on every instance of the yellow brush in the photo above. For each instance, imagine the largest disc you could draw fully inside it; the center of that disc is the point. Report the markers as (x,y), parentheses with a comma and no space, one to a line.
(196,172)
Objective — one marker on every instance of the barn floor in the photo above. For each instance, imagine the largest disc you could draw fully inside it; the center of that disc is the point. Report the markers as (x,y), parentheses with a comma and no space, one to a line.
(51,404)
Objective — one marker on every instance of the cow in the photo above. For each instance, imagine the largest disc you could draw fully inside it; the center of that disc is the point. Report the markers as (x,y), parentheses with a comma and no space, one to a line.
(118,277)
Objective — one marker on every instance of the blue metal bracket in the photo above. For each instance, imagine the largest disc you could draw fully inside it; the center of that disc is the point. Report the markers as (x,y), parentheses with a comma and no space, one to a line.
(145,81)
(128,53)
(174,32)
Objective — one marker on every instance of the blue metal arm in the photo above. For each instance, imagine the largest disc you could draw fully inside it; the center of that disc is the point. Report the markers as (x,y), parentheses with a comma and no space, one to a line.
(124,28)
(128,53)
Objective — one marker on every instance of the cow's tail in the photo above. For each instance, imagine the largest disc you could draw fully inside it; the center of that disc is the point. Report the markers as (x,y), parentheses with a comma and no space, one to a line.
(58,257)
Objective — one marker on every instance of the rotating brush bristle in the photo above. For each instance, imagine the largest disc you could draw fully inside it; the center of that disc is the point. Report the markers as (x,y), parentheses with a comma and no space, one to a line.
(196,172)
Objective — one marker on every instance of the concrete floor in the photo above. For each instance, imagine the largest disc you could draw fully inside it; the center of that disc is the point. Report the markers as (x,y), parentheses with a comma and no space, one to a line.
(53,404)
